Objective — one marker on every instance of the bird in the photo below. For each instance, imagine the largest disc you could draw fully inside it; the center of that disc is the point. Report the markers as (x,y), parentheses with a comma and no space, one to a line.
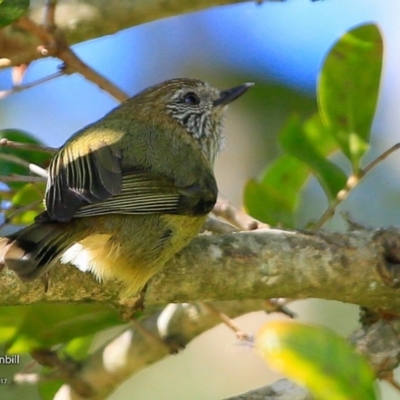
(125,193)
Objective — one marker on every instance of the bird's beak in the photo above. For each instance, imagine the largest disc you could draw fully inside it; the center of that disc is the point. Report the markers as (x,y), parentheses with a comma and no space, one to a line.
(226,96)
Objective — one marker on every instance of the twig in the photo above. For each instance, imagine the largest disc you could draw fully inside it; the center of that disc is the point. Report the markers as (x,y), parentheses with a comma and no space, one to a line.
(224,209)
(351,183)
(22,178)
(55,45)
(26,146)
(38,170)
(278,305)
(20,88)
(353,180)
(390,379)
(49,15)
(219,227)
(32,167)
(380,158)
(230,323)
(76,64)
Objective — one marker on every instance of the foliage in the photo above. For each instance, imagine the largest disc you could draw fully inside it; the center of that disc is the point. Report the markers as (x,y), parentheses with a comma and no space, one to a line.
(347,96)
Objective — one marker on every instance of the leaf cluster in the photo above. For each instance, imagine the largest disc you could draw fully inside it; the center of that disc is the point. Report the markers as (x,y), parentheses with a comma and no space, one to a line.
(347,95)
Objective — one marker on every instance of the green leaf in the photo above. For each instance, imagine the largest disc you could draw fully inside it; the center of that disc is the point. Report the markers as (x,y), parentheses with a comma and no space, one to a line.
(261,201)
(35,157)
(10,319)
(78,348)
(321,138)
(11,10)
(348,88)
(317,358)
(311,145)
(28,195)
(274,199)
(48,388)
(50,324)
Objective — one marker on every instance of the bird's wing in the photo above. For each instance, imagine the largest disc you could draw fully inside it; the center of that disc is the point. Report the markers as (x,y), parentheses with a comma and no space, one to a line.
(79,179)
(142,193)
(96,184)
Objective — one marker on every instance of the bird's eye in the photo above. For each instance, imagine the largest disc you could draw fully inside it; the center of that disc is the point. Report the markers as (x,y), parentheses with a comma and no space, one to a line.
(191,99)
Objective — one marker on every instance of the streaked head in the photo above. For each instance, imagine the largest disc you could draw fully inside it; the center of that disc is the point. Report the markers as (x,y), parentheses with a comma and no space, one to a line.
(198,107)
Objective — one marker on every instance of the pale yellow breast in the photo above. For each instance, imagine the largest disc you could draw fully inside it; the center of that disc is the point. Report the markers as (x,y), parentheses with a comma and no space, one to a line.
(110,256)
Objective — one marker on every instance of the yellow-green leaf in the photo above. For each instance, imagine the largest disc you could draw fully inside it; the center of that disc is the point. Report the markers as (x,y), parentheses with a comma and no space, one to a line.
(30,194)
(317,358)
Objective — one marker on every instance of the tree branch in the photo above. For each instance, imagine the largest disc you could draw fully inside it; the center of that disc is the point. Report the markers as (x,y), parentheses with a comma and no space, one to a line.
(26,146)
(140,346)
(226,210)
(55,44)
(89,19)
(360,267)
(134,350)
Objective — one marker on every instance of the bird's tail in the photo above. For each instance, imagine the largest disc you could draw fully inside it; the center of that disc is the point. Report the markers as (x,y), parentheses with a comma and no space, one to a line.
(34,250)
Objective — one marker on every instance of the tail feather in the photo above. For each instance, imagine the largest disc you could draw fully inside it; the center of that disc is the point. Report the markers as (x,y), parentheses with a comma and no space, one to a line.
(33,250)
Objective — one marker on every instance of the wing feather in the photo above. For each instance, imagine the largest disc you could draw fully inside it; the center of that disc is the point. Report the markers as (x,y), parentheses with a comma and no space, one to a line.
(94,183)
(142,193)
(76,180)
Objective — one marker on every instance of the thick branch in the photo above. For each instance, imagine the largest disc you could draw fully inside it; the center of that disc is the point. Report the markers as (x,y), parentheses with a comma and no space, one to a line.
(358,267)
(138,347)
(85,20)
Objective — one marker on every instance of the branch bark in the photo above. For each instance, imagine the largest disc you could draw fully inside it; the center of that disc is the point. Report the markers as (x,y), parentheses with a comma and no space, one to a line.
(89,19)
(360,267)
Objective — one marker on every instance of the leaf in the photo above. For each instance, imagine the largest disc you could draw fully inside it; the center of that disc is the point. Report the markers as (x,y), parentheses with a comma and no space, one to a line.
(274,199)
(48,388)
(35,157)
(312,145)
(317,358)
(78,348)
(348,88)
(50,324)
(29,194)
(10,318)
(11,10)
(262,202)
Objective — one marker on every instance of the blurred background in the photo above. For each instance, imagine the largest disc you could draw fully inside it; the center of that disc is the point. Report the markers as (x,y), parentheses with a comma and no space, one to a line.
(280,47)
